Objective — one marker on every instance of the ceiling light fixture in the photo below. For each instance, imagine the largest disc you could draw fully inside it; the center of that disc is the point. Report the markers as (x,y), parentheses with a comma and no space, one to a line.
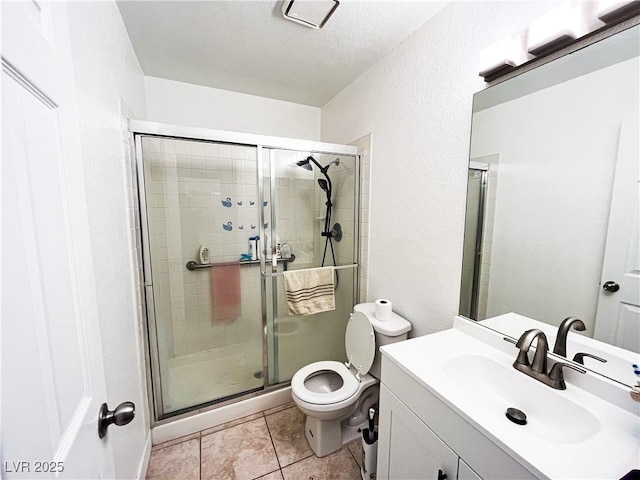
(310,13)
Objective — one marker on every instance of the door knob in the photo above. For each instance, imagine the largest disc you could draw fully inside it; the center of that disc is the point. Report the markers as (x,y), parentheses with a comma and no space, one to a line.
(611,286)
(122,415)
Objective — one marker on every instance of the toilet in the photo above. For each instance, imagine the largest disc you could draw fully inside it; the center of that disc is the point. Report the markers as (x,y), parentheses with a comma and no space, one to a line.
(336,396)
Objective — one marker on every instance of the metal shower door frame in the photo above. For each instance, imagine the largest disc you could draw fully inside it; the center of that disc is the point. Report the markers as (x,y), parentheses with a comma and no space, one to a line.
(477,258)
(263,144)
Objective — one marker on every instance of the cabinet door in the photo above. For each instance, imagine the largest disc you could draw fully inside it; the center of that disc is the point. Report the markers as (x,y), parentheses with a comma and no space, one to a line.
(408,449)
(465,472)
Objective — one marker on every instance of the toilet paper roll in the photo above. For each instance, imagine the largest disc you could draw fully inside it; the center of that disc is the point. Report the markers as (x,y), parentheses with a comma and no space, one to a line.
(383,309)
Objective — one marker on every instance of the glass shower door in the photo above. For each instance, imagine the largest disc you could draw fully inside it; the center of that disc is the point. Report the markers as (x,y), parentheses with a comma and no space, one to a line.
(472,251)
(296,212)
(202,207)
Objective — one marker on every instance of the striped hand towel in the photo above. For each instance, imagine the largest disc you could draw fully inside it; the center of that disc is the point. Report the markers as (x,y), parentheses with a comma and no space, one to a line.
(310,290)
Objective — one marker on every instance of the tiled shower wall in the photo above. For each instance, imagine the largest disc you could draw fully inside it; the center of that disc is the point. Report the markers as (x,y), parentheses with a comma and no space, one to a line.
(296,211)
(364,145)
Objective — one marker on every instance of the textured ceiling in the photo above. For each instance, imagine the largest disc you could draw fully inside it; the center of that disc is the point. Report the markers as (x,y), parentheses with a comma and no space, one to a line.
(247,46)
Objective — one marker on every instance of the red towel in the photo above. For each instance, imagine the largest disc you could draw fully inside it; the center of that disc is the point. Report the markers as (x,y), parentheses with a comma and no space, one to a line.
(225,291)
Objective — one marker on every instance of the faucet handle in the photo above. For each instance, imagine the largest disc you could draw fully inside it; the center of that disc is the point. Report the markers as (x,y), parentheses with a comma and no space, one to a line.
(557,376)
(579,358)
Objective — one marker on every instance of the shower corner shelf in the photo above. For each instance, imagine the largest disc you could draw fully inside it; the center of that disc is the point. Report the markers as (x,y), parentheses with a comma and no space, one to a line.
(191,265)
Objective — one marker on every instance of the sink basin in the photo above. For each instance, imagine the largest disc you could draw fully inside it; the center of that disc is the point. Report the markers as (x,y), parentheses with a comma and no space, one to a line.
(495,387)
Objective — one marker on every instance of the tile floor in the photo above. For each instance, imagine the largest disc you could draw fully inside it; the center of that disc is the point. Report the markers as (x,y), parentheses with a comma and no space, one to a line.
(268,446)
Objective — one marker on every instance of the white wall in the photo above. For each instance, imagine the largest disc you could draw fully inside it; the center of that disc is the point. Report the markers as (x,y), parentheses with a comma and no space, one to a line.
(181,103)
(558,150)
(109,84)
(417,104)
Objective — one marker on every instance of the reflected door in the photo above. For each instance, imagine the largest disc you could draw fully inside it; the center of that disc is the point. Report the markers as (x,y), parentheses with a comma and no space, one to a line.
(618,315)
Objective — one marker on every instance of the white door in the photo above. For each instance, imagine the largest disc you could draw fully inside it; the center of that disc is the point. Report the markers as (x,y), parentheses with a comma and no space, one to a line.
(52,372)
(618,316)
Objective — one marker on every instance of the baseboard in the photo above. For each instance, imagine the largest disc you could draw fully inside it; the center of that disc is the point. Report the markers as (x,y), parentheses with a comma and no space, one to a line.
(201,421)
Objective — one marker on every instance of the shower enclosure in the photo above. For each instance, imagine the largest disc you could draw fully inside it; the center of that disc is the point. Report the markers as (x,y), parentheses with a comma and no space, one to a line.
(223,215)
(470,290)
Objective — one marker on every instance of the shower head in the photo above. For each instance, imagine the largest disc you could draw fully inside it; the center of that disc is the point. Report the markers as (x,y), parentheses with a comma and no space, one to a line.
(305,163)
(323,184)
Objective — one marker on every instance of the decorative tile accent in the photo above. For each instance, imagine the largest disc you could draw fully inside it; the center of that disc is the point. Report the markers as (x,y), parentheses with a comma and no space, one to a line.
(177,461)
(287,432)
(241,452)
(338,465)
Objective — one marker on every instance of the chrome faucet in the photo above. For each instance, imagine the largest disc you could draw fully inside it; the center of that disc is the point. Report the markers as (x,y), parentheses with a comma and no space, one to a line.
(539,365)
(538,368)
(560,347)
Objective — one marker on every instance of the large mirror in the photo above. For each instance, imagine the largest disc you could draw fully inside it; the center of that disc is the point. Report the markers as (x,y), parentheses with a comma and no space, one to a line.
(552,208)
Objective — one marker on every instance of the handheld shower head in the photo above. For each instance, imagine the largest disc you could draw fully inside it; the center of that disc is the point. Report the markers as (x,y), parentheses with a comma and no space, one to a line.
(323,184)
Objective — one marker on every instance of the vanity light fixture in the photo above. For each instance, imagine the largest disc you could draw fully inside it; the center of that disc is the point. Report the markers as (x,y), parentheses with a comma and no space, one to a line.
(503,56)
(610,11)
(555,29)
(310,13)
(566,24)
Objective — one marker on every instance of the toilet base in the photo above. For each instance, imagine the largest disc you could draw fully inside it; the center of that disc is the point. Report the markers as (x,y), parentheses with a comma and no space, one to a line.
(326,437)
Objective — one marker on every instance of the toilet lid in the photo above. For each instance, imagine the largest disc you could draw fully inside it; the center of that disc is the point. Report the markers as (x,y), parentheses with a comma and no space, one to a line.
(360,342)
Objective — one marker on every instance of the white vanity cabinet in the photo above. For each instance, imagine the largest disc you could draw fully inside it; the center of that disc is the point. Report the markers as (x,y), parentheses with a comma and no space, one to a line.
(465,472)
(414,451)
(422,438)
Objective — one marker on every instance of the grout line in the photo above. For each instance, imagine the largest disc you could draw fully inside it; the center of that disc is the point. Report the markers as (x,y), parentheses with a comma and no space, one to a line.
(272,442)
(353,456)
(200,443)
(269,473)
(176,441)
(230,426)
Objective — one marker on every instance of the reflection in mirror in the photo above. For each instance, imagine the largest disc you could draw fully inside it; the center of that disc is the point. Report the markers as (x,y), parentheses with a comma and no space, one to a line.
(559,221)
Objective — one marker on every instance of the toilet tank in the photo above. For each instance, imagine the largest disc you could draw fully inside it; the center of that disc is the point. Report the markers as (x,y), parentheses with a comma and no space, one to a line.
(387,332)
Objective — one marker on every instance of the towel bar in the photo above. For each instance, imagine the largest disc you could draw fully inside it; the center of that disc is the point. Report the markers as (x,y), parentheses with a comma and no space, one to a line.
(280,274)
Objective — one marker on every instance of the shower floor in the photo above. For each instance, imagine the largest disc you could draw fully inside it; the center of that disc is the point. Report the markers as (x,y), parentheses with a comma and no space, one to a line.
(203,377)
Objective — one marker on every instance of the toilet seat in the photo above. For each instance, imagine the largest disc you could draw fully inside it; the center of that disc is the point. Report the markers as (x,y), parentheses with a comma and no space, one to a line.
(348,389)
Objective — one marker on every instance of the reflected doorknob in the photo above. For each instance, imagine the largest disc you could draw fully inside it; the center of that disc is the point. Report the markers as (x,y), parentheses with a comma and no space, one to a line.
(611,286)
(122,415)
